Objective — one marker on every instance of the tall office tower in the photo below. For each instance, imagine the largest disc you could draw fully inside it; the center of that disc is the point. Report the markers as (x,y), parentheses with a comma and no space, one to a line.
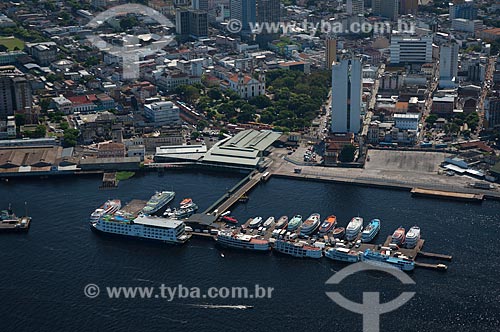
(243,11)
(463,9)
(191,22)
(199,4)
(355,7)
(448,61)
(267,12)
(407,7)
(15,92)
(386,8)
(346,95)
(331,52)
(256,12)
(406,48)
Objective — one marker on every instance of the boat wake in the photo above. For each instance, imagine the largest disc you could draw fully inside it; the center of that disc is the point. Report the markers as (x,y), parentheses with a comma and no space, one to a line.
(221,306)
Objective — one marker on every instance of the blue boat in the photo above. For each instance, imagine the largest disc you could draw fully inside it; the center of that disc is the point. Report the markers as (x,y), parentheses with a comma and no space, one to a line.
(370,231)
(374,257)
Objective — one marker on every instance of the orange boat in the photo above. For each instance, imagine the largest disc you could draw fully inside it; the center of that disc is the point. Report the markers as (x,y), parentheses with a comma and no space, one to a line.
(328,224)
(186,202)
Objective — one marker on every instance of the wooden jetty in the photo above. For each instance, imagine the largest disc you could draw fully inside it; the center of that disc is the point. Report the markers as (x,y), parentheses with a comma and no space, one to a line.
(109,181)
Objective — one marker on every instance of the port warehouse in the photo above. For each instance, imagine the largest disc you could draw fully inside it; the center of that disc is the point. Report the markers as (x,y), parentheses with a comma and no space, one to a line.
(243,152)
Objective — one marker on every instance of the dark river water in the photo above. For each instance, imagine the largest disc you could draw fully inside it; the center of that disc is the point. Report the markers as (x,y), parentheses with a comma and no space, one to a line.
(44,273)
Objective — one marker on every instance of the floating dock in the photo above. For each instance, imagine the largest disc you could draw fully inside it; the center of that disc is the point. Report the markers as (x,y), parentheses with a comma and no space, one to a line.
(134,207)
(447,195)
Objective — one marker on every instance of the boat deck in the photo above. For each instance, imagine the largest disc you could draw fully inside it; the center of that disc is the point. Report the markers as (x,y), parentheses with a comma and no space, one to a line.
(134,206)
(16,226)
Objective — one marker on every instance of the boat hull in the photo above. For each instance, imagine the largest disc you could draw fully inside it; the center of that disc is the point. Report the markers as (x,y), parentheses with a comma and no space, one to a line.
(133,238)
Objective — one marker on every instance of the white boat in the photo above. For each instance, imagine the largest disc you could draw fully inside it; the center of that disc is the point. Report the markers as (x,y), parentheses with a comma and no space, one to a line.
(143,227)
(298,249)
(157,201)
(343,255)
(241,241)
(269,221)
(354,228)
(255,222)
(109,207)
(412,237)
(311,224)
(225,213)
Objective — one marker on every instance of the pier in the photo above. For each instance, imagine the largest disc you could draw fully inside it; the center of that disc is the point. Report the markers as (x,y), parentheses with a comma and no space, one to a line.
(447,194)
(109,181)
(436,256)
(233,195)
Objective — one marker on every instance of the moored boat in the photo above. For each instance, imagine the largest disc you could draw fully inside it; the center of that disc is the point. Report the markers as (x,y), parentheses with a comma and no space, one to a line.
(311,224)
(338,232)
(241,241)
(157,201)
(353,228)
(282,222)
(298,249)
(398,237)
(142,227)
(186,212)
(269,221)
(401,262)
(229,219)
(370,231)
(328,225)
(9,222)
(294,223)
(255,222)
(109,207)
(343,255)
(412,237)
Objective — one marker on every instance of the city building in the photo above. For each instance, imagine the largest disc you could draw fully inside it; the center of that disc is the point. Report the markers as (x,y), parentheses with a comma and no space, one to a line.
(492,108)
(448,64)
(244,150)
(245,85)
(464,25)
(15,92)
(406,48)
(463,9)
(346,95)
(406,121)
(111,150)
(408,7)
(182,21)
(44,53)
(253,13)
(198,23)
(191,22)
(386,8)
(355,7)
(331,52)
(162,113)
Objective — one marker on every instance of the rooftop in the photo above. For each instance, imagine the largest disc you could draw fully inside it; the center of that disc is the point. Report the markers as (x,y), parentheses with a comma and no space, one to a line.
(157,222)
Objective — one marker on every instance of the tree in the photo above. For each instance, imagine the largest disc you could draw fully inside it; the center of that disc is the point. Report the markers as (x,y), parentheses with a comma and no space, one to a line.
(347,153)
(215,94)
(431,119)
(261,101)
(70,137)
(188,93)
(202,124)
(20,120)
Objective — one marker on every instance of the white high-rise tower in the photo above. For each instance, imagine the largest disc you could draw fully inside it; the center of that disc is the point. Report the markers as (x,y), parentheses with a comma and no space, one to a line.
(346,95)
